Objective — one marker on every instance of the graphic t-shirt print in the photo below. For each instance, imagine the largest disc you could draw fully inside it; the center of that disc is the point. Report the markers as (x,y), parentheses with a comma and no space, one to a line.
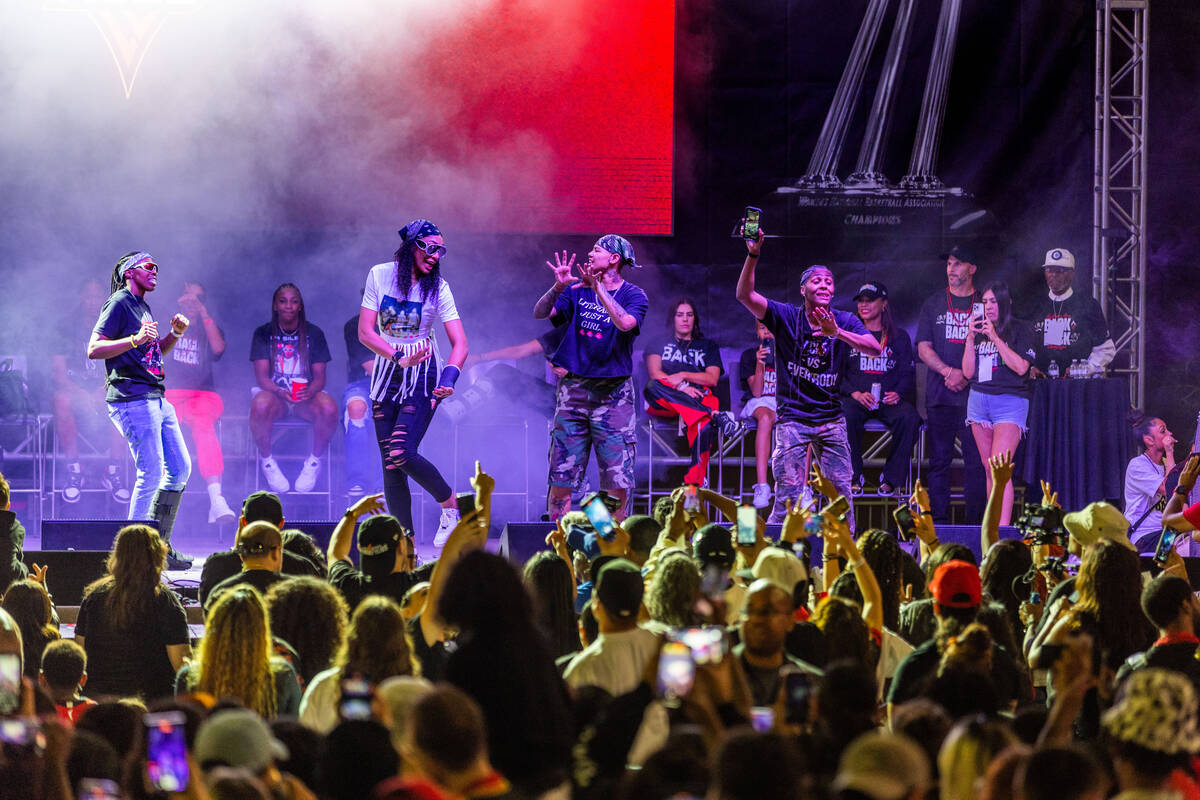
(593,319)
(151,354)
(399,318)
(817,352)
(285,360)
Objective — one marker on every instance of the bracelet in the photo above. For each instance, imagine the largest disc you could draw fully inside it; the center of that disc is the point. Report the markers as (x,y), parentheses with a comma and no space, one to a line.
(927,513)
(853,565)
(1182,490)
(752,255)
(934,543)
(176,334)
(827,557)
(396,356)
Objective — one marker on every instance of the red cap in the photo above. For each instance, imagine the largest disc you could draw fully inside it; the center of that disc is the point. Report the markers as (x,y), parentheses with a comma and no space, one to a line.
(956,584)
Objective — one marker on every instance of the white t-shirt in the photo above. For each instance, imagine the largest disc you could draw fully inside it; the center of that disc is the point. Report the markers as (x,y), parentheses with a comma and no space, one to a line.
(1142,479)
(406,323)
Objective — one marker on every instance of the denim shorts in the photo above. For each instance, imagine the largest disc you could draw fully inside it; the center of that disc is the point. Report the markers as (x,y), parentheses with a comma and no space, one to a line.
(990,409)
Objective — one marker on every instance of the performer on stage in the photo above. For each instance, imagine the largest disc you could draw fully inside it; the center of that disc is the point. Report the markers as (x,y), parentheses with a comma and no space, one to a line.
(1146,480)
(126,337)
(684,368)
(996,359)
(401,302)
(595,399)
(812,344)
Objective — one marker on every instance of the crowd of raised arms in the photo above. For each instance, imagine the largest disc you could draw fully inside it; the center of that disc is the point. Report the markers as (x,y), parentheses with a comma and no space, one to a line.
(650,656)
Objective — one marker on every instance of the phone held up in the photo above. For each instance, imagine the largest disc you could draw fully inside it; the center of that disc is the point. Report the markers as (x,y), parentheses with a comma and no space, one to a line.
(1165,543)
(166,751)
(752,225)
(598,514)
(905,523)
(747,526)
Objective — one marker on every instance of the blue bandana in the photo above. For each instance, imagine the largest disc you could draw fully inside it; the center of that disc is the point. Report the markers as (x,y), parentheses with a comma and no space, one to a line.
(134,261)
(619,245)
(804,276)
(419,229)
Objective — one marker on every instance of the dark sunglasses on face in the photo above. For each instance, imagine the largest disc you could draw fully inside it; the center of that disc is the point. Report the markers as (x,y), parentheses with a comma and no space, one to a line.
(437,250)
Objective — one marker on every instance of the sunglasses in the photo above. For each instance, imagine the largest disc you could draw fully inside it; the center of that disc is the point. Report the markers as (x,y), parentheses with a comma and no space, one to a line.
(148,267)
(438,250)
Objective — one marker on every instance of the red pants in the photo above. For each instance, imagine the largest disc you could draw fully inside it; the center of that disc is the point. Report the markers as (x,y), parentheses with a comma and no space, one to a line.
(199,411)
(665,401)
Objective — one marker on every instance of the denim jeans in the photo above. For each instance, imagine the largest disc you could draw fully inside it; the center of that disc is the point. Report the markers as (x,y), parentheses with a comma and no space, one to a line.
(156,443)
(362,449)
(831,449)
(399,427)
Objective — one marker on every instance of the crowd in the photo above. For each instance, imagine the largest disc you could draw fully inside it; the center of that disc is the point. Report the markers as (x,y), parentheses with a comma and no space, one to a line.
(664,659)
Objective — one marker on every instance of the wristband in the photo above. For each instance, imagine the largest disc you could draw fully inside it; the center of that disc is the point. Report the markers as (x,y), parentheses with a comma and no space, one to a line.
(175,333)
(927,513)
(853,565)
(1182,490)
(752,255)
(449,376)
(396,356)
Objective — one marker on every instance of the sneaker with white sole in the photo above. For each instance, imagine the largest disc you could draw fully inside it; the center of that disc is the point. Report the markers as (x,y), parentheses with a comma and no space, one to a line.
(219,511)
(276,480)
(307,478)
(729,425)
(74,488)
(112,481)
(450,518)
(762,495)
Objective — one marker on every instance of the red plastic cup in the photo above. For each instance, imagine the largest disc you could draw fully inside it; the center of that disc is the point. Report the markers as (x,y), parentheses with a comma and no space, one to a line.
(297,385)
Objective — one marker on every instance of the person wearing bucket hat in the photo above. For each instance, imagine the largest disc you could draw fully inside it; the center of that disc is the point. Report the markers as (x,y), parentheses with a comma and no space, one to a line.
(241,739)
(1067,326)
(881,388)
(813,341)
(402,300)
(1151,731)
(1096,521)
(601,314)
(126,337)
(941,338)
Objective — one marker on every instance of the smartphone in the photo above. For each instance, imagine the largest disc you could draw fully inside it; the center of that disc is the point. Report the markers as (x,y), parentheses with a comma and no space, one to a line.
(798,693)
(706,644)
(762,718)
(904,521)
(768,344)
(814,524)
(166,751)
(839,507)
(98,789)
(751,226)
(10,683)
(676,670)
(600,517)
(23,732)
(1165,543)
(977,310)
(465,501)
(691,499)
(356,699)
(747,526)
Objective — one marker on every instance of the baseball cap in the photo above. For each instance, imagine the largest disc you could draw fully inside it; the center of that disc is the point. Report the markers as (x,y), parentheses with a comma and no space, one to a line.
(883,766)
(713,544)
(238,738)
(1059,257)
(258,538)
(262,506)
(872,291)
(956,584)
(1156,711)
(963,252)
(779,566)
(378,538)
(1097,521)
(619,588)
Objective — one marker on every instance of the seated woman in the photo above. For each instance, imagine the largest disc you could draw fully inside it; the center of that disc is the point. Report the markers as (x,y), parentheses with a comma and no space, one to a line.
(684,369)
(289,355)
(756,369)
(235,658)
(996,359)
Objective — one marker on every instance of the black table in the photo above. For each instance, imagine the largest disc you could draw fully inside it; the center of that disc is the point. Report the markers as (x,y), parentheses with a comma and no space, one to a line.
(1078,440)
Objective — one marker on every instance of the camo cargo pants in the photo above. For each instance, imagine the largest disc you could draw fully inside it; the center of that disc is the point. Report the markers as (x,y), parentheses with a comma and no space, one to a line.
(831,449)
(593,412)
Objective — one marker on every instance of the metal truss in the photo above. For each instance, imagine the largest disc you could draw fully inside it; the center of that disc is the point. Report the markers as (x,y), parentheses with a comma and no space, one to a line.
(1120,182)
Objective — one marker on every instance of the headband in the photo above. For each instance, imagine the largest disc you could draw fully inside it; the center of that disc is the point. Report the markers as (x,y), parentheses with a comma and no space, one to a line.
(804,276)
(619,245)
(418,229)
(133,261)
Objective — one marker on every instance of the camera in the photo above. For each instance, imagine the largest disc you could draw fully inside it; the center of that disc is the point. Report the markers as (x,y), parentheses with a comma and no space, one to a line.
(1042,524)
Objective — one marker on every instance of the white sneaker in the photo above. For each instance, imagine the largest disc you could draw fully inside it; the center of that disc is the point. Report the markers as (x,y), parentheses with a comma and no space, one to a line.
(275,477)
(762,495)
(219,511)
(307,478)
(450,518)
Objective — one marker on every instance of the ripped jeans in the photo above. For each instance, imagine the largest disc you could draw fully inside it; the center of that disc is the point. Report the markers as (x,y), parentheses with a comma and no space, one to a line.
(399,426)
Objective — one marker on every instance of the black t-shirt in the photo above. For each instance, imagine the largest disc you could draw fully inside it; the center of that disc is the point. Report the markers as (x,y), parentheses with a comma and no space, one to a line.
(593,347)
(136,374)
(354,585)
(676,355)
(133,660)
(914,674)
(943,323)
(992,375)
(1066,330)
(893,369)
(812,365)
(748,365)
(283,352)
(190,362)
(356,353)
(219,566)
(431,657)
(261,579)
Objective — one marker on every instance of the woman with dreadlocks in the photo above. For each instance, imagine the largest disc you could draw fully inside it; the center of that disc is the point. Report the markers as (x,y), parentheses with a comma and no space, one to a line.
(127,338)
(401,302)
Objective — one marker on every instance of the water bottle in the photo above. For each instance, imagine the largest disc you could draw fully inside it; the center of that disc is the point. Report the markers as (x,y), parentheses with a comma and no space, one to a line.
(1073,372)
(1052,370)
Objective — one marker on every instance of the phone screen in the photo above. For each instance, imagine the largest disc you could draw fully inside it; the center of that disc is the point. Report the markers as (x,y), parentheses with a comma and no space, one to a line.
(10,683)
(747,526)
(798,691)
(599,516)
(904,520)
(98,789)
(840,507)
(1165,542)
(691,499)
(676,670)
(166,751)
(356,699)
(762,718)
(750,227)
(706,644)
(977,310)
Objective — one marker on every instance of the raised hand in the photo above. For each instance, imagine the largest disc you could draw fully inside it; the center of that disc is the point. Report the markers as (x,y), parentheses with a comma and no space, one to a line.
(794,520)
(825,320)
(561,268)
(754,247)
(820,483)
(481,482)
(367,505)
(1049,497)
(1002,468)
(179,324)
(1191,468)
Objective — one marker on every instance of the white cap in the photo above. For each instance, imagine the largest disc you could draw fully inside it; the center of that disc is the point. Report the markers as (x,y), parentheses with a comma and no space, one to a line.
(1059,257)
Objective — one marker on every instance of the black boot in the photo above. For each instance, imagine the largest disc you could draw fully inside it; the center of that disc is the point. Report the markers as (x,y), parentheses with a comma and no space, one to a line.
(162,510)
